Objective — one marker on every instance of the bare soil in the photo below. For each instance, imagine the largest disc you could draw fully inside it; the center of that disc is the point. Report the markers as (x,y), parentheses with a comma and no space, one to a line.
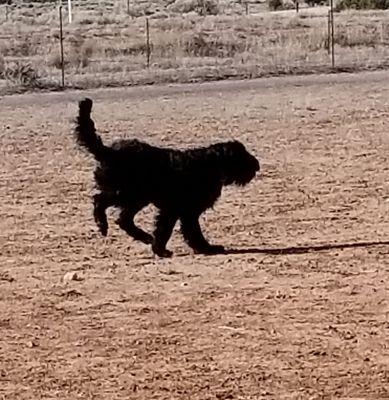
(297,310)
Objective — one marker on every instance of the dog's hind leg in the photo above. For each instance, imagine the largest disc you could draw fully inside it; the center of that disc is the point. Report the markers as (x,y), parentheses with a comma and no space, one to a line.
(101,201)
(164,225)
(126,222)
(191,230)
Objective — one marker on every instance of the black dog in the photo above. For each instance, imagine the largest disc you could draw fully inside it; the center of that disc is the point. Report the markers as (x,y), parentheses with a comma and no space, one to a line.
(181,184)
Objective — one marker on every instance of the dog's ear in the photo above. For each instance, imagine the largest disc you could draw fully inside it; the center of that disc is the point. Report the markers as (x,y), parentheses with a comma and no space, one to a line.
(239,145)
(234,147)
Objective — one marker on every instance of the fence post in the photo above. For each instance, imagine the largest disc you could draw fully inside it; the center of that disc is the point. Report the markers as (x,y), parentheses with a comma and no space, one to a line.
(247,8)
(148,42)
(297,6)
(61,46)
(329,33)
(332,34)
(6,12)
(128,7)
(70,11)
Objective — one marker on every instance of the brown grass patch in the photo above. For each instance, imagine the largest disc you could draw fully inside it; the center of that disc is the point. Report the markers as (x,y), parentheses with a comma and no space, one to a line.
(102,48)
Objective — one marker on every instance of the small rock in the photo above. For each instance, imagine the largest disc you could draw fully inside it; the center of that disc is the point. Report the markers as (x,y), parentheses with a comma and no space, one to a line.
(71,294)
(5,276)
(72,276)
(31,344)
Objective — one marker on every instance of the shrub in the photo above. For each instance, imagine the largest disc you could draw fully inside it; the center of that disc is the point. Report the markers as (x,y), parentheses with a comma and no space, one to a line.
(21,74)
(204,45)
(362,5)
(54,60)
(274,5)
(81,51)
(207,7)
(313,3)
(288,5)
(201,7)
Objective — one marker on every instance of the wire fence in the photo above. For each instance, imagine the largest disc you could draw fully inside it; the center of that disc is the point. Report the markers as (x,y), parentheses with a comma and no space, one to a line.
(122,43)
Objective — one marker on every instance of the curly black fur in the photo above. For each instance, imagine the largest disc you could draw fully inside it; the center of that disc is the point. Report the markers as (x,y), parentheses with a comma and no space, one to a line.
(181,184)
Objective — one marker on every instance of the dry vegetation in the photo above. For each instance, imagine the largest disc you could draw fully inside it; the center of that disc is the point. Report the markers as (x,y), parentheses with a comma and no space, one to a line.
(191,40)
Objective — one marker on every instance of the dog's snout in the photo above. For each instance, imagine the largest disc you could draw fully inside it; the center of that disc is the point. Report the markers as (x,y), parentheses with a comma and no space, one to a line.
(255,164)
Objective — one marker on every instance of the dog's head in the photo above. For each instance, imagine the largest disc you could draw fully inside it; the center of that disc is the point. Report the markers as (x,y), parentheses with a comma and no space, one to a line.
(238,165)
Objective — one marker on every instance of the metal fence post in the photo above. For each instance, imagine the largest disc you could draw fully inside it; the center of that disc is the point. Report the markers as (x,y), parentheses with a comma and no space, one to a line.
(332,34)
(148,42)
(61,46)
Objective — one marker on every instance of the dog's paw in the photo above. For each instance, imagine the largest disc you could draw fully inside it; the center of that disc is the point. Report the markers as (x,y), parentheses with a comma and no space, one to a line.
(211,250)
(103,228)
(163,253)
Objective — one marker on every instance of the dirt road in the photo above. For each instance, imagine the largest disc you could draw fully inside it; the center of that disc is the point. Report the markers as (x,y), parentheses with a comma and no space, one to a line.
(145,92)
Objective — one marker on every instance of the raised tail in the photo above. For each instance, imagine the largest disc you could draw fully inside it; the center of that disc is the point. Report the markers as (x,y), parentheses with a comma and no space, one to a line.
(85,131)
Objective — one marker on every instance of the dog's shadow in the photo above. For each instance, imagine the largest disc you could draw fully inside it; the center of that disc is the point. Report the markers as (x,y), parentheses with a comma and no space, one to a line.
(305,249)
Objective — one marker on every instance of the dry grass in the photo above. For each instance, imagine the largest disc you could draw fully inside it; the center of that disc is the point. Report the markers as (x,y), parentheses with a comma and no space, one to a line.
(108,47)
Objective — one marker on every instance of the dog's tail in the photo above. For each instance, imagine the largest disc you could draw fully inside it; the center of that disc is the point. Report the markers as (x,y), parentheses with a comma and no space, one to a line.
(85,132)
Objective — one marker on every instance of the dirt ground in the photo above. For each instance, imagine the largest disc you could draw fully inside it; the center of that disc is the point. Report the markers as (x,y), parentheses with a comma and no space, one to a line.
(299,307)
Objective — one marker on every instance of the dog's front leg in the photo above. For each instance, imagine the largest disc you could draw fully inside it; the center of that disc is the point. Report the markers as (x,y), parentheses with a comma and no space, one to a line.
(164,225)
(101,201)
(191,230)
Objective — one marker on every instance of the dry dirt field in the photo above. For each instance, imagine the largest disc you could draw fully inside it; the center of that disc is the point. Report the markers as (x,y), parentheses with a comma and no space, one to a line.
(298,309)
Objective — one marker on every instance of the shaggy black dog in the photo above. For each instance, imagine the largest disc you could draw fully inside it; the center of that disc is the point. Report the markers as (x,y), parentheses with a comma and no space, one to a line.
(181,184)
